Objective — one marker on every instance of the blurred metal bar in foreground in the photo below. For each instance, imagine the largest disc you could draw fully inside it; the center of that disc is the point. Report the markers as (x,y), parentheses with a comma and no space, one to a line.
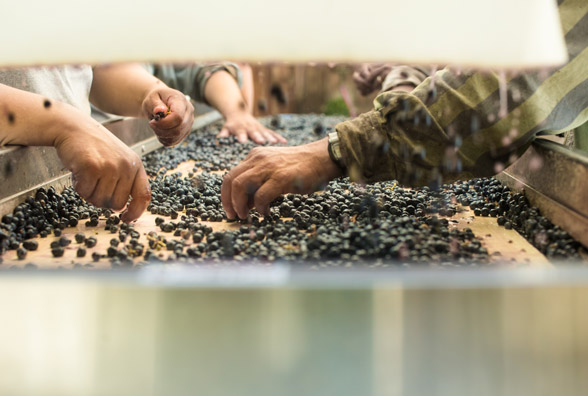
(62,337)
(498,33)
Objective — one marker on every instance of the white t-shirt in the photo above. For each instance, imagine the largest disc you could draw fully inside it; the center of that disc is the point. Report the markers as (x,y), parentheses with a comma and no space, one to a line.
(69,84)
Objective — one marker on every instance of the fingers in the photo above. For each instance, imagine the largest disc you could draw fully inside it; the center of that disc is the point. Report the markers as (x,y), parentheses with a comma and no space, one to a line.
(269,191)
(368,78)
(227,188)
(243,190)
(224,133)
(252,130)
(361,76)
(103,193)
(382,69)
(251,187)
(121,193)
(267,135)
(361,82)
(246,127)
(168,123)
(363,70)
(268,172)
(178,107)
(140,194)
(241,135)
(155,102)
(114,194)
(258,137)
(241,132)
(84,185)
(171,115)
(160,108)
(226,196)
(274,137)
(168,142)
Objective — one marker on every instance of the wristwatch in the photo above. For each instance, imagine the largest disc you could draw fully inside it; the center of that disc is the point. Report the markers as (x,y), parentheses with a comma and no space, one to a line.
(335,150)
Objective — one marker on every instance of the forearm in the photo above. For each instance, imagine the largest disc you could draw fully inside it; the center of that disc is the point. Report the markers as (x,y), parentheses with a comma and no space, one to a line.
(29,119)
(223,93)
(247,88)
(121,89)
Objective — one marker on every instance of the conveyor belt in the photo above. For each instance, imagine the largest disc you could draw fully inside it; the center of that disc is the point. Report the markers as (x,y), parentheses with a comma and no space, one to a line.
(504,246)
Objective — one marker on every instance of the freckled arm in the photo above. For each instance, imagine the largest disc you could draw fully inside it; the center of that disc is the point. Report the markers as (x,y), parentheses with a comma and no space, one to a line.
(29,119)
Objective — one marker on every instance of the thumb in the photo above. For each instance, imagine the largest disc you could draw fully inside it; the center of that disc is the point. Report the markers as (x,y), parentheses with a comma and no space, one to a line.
(153,104)
(160,107)
(159,112)
(140,194)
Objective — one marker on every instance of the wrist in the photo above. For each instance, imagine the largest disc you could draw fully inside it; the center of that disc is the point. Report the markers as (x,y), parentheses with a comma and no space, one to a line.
(68,122)
(335,150)
(328,167)
(62,122)
(238,111)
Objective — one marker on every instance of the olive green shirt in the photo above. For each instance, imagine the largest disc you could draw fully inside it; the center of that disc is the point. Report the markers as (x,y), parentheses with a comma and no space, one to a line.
(471,124)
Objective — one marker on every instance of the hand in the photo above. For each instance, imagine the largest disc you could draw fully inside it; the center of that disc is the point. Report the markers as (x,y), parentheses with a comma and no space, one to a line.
(178,114)
(369,78)
(268,172)
(105,171)
(243,125)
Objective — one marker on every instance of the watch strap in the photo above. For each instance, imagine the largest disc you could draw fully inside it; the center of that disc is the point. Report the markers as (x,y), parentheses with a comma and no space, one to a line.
(335,150)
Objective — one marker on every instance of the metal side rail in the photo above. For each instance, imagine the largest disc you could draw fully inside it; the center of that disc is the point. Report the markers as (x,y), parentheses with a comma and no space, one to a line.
(554,179)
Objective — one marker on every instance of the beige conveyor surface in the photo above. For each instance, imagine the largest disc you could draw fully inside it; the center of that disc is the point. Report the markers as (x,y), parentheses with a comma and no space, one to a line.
(504,246)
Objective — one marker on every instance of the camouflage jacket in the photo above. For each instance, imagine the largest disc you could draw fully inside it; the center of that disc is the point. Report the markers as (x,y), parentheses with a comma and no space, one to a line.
(470,124)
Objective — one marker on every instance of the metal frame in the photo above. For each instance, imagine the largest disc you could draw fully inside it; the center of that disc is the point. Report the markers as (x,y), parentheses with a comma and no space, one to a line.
(555,179)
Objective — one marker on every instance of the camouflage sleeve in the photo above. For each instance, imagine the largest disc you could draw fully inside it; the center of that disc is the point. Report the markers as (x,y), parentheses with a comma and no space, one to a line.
(405,75)
(191,79)
(463,125)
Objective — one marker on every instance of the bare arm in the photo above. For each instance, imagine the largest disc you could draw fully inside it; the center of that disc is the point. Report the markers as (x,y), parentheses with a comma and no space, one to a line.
(247,88)
(105,171)
(17,127)
(223,93)
(129,90)
(121,88)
